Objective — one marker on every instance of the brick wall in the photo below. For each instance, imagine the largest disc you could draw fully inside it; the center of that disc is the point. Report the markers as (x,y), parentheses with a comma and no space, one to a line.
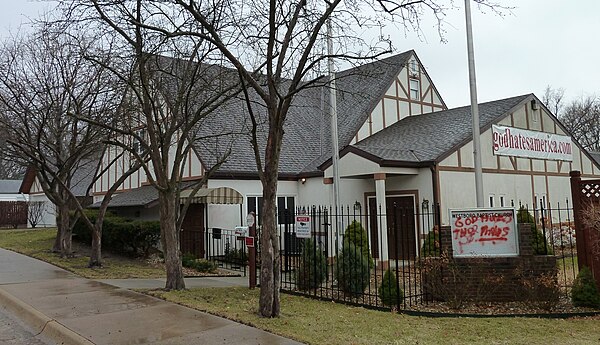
(502,279)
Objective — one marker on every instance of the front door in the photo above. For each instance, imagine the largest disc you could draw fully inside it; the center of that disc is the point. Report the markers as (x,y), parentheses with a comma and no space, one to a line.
(401,227)
(400,216)
(192,231)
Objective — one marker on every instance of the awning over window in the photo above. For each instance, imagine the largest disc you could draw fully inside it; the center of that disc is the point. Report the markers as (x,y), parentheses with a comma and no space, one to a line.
(219,195)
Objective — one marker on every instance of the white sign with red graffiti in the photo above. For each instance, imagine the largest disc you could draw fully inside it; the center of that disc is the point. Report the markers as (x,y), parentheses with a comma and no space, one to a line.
(484,232)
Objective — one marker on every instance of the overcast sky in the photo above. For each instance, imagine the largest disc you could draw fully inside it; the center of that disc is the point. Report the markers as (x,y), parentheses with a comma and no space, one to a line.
(538,43)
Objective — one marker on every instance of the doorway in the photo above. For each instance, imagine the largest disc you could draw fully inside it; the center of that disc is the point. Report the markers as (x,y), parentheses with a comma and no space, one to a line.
(192,231)
(401,231)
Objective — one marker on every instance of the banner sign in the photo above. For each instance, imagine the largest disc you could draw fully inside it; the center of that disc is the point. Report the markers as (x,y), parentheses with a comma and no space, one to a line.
(508,141)
(484,232)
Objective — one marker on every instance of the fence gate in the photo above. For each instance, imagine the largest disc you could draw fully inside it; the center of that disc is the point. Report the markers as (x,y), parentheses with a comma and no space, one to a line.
(586,193)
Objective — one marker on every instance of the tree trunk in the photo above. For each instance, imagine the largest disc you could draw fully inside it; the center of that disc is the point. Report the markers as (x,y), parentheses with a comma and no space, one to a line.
(96,254)
(66,234)
(269,305)
(57,247)
(170,240)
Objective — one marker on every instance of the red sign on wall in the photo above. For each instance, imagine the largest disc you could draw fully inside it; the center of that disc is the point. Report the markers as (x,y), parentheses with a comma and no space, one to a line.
(249,242)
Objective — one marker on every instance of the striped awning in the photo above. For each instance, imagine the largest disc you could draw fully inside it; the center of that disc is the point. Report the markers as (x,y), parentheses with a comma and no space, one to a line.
(219,195)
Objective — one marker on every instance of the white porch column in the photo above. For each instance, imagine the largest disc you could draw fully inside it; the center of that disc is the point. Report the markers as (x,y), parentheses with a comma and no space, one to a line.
(381,215)
(331,250)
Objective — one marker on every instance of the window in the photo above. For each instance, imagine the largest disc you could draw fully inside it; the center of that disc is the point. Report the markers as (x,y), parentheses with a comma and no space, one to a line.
(285,208)
(492,200)
(413,68)
(502,202)
(414,90)
(544,201)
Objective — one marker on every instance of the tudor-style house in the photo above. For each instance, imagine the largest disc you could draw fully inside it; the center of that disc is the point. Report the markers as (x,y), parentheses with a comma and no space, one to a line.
(399,144)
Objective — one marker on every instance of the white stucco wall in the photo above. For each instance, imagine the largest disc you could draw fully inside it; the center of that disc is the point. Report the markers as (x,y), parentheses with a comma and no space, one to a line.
(49,214)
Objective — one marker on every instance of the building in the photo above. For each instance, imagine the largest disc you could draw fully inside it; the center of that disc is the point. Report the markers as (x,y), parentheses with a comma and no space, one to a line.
(81,183)
(9,191)
(399,145)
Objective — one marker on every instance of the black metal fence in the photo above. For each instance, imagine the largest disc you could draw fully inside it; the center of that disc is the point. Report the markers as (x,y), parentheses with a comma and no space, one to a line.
(554,229)
(227,249)
(348,259)
(344,256)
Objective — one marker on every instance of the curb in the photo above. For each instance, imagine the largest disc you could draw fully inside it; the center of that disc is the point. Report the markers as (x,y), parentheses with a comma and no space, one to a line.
(41,324)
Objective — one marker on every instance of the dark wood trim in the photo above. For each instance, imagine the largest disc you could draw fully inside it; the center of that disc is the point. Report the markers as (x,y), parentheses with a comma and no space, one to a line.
(533,189)
(547,193)
(527,116)
(28,180)
(502,171)
(383,112)
(513,161)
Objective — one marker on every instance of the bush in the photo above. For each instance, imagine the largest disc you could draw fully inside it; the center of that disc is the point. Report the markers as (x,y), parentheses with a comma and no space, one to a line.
(585,292)
(121,235)
(356,234)
(201,265)
(236,256)
(188,260)
(390,293)
(313,267)
(353,269)
(431,245)
(538,241)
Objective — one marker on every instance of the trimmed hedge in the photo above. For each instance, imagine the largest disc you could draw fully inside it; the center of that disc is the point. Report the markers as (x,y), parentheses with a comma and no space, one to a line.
(122,235)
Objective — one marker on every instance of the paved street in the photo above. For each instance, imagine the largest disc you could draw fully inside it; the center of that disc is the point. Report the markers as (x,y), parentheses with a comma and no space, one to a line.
(14,332)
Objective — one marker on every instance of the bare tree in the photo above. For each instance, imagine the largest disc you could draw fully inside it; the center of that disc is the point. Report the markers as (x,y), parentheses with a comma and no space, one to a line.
(276,46)
(173,87)
(582,119)
(35,212)
(45,84)
(553,99)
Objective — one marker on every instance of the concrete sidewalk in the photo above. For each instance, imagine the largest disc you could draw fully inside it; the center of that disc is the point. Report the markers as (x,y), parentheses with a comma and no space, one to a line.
(73,310)
(159,283)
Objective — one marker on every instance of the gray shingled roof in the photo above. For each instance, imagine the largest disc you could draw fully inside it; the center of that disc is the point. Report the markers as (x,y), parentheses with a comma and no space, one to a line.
(307,140)
(595,156)
(143,196)
(10,186)
(428,137)
(83,177)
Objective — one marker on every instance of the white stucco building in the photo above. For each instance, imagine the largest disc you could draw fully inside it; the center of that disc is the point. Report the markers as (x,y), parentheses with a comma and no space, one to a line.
(399,145)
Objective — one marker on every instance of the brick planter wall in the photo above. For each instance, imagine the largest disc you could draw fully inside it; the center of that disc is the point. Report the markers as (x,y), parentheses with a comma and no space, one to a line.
(503,279)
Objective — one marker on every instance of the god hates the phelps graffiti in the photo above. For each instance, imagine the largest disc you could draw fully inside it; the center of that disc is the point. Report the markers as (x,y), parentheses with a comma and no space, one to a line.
(484,232)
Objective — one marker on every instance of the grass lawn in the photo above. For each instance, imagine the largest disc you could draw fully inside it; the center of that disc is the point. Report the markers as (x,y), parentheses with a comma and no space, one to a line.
(38,243)
(317,322)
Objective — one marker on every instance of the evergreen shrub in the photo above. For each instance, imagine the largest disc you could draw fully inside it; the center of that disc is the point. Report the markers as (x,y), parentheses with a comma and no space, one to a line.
(352,269)
(313,267)
(389,292)
(585,292)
